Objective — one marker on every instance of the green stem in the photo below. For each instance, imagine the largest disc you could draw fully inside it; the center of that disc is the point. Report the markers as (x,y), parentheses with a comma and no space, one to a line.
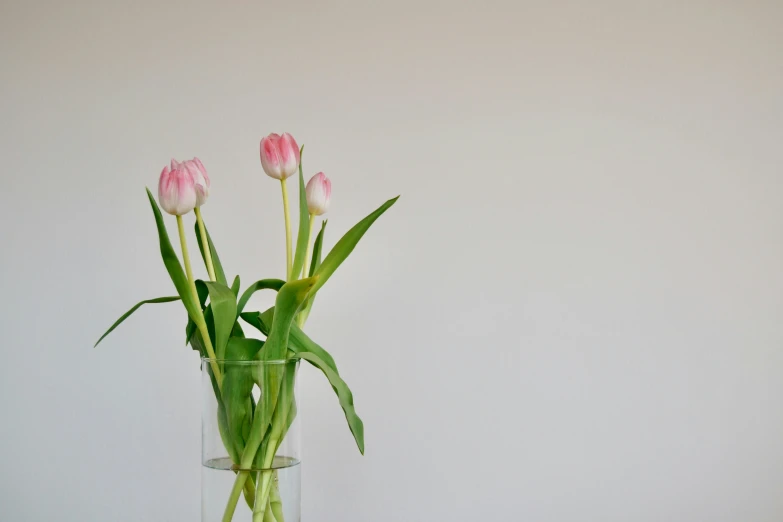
(246,462)
(276,502)
(233,499)
(201,324)
(186,257)
(287,213)
(207,250)
(269,516)
(262,493)
(257,431)
(263,487)
(277,431)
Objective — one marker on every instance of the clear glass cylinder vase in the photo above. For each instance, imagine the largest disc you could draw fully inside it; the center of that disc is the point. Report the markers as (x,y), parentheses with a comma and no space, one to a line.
(250,441)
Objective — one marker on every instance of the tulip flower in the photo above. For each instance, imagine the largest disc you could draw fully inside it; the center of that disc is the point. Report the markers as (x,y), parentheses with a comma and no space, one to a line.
(319,190)
(201,183)
(200,179)
(317,193)
(184,186)
(279,155)
(177,190)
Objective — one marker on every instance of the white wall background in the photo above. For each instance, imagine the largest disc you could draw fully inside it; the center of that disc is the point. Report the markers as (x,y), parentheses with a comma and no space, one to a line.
(572,314)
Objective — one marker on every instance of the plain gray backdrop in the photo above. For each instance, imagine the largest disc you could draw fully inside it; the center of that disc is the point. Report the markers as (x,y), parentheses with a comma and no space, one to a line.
(572,314)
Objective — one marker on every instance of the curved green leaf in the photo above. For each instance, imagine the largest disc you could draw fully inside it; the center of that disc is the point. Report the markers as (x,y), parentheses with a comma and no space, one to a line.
(237,387)
(346,244)
(263,284)
(298,341)
(289,300)
(197,343)
(303,236)
(237,330)
(173,266)
(254,319)
(190,329)
(235,287)
(225,435)
(220,275)
(136,307)
(270,376)
(343,394)
(241,349)
(318,247)
(316,262)
(223,305)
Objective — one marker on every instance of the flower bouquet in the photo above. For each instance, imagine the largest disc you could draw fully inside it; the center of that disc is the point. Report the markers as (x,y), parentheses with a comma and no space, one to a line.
(249,425)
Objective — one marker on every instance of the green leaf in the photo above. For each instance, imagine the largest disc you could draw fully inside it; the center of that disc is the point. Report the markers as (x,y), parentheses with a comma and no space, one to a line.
(222,302)
(318,246)
(316,262)
(298,341)
(343,394)
(235,287)
(136,307)
(345,246)
(283,416)
(173,266)
(220,275)
(292,411)
(303,237)
(263,284)
(197,343)
(289,300)
(237,330)
(241,349)
(225,435)
(270,376)
(254,319)
(238,380)
(203,293)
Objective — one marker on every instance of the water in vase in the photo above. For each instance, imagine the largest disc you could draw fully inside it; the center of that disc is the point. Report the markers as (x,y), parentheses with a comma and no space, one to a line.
(217,481)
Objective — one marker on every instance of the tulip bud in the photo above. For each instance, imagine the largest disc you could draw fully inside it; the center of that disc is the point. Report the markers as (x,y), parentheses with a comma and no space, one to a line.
(279,155)
(176,190)
(200,179)
(318,191)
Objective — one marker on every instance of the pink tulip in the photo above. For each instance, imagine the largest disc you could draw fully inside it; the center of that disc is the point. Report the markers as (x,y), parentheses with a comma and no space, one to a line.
(176,190)
(318,191)
(200,179)
(279,155)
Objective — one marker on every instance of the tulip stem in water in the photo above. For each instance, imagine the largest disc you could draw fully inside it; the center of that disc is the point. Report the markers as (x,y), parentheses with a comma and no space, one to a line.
(205,245)
(287,231)
(200,322)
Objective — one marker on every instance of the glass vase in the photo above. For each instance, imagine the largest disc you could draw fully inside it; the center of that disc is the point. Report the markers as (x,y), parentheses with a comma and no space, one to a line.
(250,441)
